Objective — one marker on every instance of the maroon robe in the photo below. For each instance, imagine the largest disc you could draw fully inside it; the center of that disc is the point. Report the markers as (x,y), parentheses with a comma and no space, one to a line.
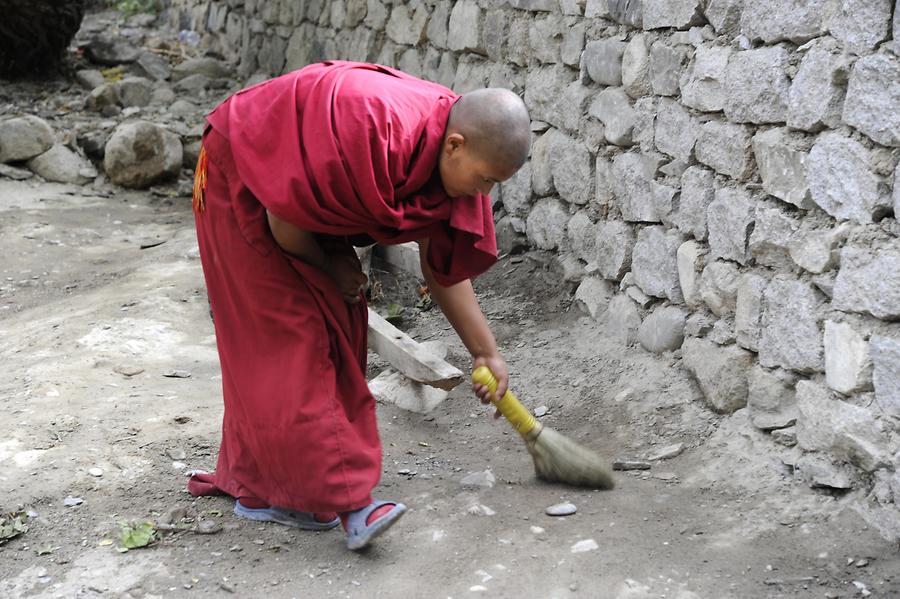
(339,149)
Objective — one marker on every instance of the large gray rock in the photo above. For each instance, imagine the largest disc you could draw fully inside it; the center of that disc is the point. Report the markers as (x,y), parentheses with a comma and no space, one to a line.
(721,372)
(770,241)
(515,192)
(24,137)
(654,263)
(779,20)
(627,12)
(690,265)
(791,338)
(518,50)
(134,91)
(848,365)
(594,294)
(662,330)
(724,15)
(545,37)
(546,224)
(596,9)
(102,98)
(613,246)
(873,96)
(535,5)
(781,157)
(676,130)
(869,282)
(62,165)
(438,25)
(89,78)
(140,153)
(110,51)
(697,193)
(548,98)
(771,400)
(621,319)
(572,45)
(842,181)
(703,83)
(861,24)
(407,26)
(644,124)
(665,197)
(727,148)
(509,239)
(636,67)
(718,287)
(204,65)
(680,14)
(896,193)
(748,310)
(154,66)
(842,429)
(632,173)
(730,219)
(603,61)
(757,86)
(541,151)
(667,64)
(886,358)
(817,251)
(613,108)
(570,166)
(580,230)
(603,183)
(816,99)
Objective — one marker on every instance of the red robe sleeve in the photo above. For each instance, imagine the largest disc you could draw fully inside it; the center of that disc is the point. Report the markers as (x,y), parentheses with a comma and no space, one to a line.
(345,148)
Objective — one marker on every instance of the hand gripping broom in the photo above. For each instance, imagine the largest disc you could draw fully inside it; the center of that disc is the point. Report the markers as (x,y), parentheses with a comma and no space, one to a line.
(556,457)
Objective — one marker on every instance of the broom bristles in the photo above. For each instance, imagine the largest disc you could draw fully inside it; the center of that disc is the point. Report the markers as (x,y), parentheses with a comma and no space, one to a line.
(559,459)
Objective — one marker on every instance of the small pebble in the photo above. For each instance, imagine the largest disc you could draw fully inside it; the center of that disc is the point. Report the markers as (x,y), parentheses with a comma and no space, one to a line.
(72,501)
(537,530)
(177,374)
(561,509)
(862,563)
(541,411)
(668,452)
(631,465)
(479,479)
(95,472)
(585,545)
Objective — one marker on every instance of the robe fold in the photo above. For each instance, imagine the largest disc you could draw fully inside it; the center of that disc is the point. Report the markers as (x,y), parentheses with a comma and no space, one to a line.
(339,149)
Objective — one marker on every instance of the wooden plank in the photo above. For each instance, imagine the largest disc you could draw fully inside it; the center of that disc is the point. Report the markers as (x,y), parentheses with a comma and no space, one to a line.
(403,353)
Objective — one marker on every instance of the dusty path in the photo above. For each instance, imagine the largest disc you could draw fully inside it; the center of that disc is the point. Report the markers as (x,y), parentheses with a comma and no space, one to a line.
(81,304)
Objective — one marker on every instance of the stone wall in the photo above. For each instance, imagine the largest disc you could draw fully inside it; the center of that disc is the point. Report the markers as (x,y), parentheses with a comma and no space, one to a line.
(721,178)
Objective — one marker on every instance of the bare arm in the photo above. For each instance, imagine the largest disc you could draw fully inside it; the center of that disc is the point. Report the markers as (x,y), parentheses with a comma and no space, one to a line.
(343,268)
(460,306)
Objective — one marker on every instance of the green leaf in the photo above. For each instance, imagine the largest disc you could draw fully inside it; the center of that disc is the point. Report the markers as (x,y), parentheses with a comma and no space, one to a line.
(137,535)
(12,525)
(394,313)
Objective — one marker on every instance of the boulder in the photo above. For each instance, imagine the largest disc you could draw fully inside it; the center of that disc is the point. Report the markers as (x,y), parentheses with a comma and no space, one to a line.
(62,165)
(703,83)
(730,218)
(869,282)
(654,263)
(546,224)
(602,60)
(24,137)
(885,353)
(721,372)
(613,246)
(757,86)
(848,365)
(791,337)
(612,107)
(140,153)
(204,65)
(781,156)
(726,148)
(662,330)
(771,399)
(872,98)
(816,99)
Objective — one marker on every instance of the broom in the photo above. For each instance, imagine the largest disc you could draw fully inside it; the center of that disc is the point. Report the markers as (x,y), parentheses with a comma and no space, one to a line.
(557,459)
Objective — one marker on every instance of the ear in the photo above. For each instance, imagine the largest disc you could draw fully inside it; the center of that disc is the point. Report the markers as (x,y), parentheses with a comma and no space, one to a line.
(454,142)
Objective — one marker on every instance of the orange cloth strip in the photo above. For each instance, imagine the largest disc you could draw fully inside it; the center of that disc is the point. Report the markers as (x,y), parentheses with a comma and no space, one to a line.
(199,195)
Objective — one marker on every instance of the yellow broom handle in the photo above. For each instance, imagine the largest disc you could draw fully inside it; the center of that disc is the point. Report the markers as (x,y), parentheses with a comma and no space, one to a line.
(517,414)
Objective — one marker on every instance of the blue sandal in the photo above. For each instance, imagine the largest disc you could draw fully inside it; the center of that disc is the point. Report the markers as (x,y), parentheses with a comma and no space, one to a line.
(359,534)
(301,520)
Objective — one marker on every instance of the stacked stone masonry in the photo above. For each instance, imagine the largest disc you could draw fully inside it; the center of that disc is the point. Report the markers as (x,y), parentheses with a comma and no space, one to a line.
(724,175)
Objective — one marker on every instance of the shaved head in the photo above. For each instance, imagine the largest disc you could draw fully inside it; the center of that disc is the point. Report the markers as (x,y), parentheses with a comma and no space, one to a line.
(495,122)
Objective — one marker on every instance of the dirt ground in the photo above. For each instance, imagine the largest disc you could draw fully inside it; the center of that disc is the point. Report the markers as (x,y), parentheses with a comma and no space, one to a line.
(82,307)
(102,297)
